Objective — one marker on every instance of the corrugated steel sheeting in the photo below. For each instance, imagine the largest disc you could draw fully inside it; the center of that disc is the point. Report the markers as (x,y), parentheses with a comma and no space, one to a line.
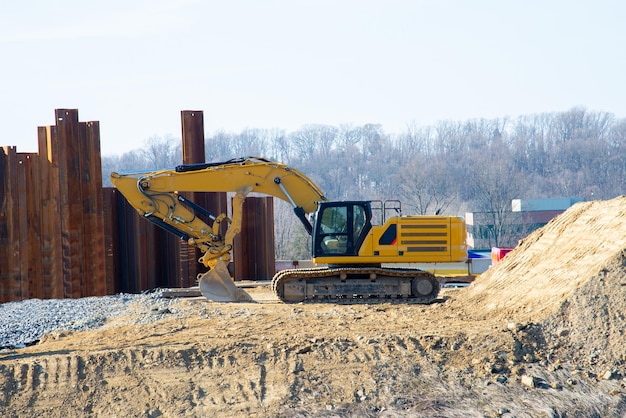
(52,233)
(257,228)
(63,236)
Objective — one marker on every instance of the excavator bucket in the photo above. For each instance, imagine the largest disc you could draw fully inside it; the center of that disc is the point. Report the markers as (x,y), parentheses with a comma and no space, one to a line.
(217,285)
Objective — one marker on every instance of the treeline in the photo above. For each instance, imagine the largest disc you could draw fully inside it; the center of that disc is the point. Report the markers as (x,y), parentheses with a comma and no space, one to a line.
(452,167)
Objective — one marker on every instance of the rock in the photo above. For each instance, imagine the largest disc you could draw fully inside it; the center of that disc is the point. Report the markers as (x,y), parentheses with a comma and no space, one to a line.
(304,350)
(513,326)
(360,395)
(590,375)
(607,375)
(530,381)
(495,368)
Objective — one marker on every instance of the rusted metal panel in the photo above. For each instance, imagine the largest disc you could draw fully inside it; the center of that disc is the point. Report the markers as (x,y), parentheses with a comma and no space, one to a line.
(10,274)
(22,221)
(254,246)
(192,123)
(123,244)
(94,283)
(111,237)
(93,132)
(186,263)
(70,196)
(146,242)
(169,259)
(52,222)
(131,246)
(51,255)
(30,225)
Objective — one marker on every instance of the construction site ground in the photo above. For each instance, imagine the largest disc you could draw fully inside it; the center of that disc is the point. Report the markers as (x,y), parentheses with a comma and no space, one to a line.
(540,334)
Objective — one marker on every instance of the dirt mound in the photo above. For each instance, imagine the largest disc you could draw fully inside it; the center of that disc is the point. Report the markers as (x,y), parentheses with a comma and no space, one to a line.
(569,277)
(535,279)
(540,334)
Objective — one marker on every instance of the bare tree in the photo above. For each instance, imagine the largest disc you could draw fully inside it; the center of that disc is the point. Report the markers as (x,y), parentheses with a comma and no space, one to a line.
(133,161)
(110,163)
(494,185)
(291,239)
(426,186)
(250,142)
(279,146)
(349,137)
(449,139)
(413,141)
(219,147)
(578,123)
(313,140)
(162,152)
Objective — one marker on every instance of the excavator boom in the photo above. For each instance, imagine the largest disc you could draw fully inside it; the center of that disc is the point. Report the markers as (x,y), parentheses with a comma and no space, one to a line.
(250,174)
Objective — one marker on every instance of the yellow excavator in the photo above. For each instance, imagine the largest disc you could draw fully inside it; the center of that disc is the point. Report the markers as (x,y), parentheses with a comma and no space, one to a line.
(352,255)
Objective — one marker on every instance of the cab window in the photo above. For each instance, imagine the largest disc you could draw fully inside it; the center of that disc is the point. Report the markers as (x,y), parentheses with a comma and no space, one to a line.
(333,229)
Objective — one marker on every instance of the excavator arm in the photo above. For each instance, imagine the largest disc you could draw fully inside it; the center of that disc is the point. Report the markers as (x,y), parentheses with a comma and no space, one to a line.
(156,196)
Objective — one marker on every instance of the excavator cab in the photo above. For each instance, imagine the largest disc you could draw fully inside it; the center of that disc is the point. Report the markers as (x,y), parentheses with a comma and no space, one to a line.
(341,227)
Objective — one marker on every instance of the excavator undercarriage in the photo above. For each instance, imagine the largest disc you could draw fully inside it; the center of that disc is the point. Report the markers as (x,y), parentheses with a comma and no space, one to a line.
(353,284)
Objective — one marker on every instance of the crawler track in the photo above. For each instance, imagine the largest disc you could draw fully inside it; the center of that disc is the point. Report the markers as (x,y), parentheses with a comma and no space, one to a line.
(355,284)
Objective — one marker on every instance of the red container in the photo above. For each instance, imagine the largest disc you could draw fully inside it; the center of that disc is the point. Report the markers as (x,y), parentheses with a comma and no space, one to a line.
(498,254)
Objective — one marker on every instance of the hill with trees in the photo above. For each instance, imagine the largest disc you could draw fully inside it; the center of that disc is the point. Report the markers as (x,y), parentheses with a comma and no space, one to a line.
(452,167)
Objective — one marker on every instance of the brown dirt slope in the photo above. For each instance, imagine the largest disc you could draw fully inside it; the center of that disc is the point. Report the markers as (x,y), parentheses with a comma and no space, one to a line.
(570,276)
(540,334)
(553,262)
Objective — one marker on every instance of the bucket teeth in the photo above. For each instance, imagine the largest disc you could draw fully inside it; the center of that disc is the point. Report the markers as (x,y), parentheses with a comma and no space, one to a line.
(218,286)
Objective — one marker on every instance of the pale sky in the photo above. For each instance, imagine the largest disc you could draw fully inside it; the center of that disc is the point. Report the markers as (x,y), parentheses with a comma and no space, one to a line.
(134,65)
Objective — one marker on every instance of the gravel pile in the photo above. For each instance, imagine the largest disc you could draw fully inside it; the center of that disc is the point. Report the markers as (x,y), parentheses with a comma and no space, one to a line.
(24,323)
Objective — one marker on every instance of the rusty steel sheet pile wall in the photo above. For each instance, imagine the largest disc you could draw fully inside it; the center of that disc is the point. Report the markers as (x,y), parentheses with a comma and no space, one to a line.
(62,235)
(51,223)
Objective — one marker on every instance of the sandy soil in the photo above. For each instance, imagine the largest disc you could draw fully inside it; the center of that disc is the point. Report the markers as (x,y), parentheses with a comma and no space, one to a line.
(540,334)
